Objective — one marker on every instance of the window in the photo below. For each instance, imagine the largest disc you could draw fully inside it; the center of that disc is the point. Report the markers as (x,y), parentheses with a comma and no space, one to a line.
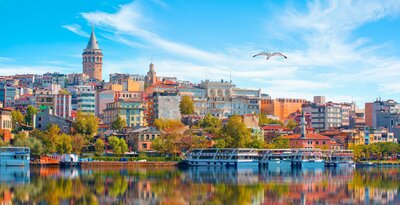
(144,146)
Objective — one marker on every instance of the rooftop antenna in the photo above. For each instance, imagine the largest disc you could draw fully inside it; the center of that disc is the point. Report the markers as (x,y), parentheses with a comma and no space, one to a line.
(230,77)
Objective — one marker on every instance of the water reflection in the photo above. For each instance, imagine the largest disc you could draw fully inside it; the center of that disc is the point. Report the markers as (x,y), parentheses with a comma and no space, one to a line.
(199,185)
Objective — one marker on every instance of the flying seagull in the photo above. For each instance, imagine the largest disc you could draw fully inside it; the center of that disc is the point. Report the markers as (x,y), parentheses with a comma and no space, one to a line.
(269,54)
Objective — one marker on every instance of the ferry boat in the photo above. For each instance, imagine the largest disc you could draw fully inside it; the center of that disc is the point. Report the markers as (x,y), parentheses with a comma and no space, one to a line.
(14,156)
(308,158)
(279,158)
(341,158)
(238,157)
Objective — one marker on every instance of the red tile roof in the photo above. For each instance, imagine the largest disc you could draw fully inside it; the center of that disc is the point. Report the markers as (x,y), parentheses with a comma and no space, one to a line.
(309,136)
(274,127)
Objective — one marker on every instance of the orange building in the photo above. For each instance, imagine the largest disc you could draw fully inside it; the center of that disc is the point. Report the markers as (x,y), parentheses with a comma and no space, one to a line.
(281,107)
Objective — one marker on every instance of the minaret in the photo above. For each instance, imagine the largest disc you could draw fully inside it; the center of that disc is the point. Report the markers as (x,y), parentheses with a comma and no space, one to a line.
(151,75)
(303,126)
(92,59)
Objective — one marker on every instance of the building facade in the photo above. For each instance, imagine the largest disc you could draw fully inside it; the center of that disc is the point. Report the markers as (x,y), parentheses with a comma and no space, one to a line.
(166,106)
(281,107)
(324,116)
(131,111)
(85,99)
(382,114)
(223,99)
(140,139)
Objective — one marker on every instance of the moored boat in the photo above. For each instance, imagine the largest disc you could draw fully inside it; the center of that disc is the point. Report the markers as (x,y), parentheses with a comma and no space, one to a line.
(222,157)
(308,158)
(68,160)
(14,156)
(280,158)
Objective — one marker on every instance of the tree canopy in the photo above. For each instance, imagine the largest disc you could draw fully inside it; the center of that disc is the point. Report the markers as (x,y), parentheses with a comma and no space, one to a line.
(86,124)
(166,144)
(210,123)
(99,146)
(265,120)
(186,105)
(118,145)
(64,144)
(235,133)
(31,111)
(16,118)
(118,124)
(167,124)
(381,150)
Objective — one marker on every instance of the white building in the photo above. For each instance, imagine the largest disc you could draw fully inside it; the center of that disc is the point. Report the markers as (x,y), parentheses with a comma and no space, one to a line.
(85,98)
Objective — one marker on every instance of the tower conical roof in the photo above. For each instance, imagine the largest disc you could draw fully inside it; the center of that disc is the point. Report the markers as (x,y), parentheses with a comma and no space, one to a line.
(92,44)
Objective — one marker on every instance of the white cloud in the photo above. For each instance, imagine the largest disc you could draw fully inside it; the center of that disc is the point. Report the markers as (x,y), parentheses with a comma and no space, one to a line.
(330,54)
(76,28)
(6,59)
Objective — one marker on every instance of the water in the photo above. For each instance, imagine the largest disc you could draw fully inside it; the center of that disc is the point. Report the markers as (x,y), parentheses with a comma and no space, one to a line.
(199,186)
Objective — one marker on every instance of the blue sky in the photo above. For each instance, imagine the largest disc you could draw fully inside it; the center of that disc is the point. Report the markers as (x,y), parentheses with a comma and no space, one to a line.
(346,50)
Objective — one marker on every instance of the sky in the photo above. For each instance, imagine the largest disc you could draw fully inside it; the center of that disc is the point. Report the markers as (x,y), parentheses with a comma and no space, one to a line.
(345,50)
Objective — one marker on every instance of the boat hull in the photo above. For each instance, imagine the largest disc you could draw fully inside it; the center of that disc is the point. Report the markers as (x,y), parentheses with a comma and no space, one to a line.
(312,163)
(279,163)
(233,163)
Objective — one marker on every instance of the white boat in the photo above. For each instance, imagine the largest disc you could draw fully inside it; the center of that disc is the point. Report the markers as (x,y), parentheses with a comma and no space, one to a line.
(279,158)
(341,158)
(237,157)
(14,156)
(307,158)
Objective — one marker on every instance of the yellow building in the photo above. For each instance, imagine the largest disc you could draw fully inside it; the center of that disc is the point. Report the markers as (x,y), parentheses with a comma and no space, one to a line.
(131,111)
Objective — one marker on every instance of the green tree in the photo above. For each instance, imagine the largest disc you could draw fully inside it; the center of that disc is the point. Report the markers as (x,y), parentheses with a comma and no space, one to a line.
(255,143)
(31,111)
(186,105)
(199,142)
(78,142)
(16,118)
(36,133)
(86,125)
(64,144)
(210,124)
(37,148)
(20,136)
(118,145)
(99,146)
(235,132)
(167,144)
(291,124)
(50,138)
(168,125)
(280,143)
(35,145)
(118,124)
(265,120)
(220,143)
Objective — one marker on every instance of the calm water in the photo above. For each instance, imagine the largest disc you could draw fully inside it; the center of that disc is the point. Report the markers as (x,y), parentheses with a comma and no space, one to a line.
(199,186)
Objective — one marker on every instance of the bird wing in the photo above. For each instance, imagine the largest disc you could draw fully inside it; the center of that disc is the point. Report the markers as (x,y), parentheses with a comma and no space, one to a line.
(279,54)
(261,54)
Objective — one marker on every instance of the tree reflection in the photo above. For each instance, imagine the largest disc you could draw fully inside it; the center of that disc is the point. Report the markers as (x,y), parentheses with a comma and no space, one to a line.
(200,186)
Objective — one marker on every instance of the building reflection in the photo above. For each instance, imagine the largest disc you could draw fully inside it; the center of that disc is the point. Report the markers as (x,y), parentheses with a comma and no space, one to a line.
(199,185)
